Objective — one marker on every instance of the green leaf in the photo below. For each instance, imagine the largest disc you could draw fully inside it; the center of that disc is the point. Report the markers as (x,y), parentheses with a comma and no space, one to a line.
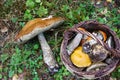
(50,5)
(22,23)
(37,1)
(11,73)
(65,8)
(4,57)
(28,15)
(30,4)
(70,15)
(18,51)
(14,20)
(36,46)
(0,76)
(5,78)
(42,11)
(40,57)
(20,70)
(119,70)
(86,18)
(26,54)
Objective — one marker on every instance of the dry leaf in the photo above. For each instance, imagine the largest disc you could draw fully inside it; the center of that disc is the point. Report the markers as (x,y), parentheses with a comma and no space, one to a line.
(104,11)
(1,67)
(119,11)
(112,78)
(21,76)
(15,77)
(4,29)
(109,1)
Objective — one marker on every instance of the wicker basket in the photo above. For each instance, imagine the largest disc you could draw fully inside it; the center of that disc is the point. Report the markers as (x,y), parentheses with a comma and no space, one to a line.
(90,26)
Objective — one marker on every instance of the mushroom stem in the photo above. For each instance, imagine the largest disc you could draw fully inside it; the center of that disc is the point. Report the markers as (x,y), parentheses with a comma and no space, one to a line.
(48,54)
(74,43)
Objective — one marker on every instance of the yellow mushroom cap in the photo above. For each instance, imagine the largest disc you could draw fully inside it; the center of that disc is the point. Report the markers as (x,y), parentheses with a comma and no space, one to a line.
(80,59)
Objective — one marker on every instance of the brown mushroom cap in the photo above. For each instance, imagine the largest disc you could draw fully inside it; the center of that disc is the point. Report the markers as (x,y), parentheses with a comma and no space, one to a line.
(36,26)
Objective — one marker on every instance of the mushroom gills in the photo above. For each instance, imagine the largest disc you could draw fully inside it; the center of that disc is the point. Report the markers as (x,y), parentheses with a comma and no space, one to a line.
(74,43)
(96,66)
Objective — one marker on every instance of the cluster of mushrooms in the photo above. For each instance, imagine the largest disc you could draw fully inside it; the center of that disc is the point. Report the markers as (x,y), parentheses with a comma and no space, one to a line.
(85,52)
(90,50)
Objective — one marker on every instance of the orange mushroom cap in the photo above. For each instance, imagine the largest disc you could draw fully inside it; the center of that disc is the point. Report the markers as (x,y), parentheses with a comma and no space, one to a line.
(104,35)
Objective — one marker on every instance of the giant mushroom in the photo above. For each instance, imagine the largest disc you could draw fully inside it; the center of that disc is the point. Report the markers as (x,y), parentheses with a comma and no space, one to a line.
(37,27)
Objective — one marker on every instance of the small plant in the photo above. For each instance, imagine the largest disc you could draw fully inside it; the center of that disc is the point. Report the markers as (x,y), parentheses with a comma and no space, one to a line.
(78,14)
(62,72)
(34,8)
(116,74)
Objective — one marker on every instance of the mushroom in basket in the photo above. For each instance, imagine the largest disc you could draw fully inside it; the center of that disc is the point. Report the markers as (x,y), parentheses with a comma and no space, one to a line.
(96,51)
(79,58)
(75,42)
(37,27)
(92,56)
(89,52)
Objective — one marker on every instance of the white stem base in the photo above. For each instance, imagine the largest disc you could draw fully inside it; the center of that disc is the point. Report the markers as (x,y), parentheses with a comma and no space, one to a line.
(47,54)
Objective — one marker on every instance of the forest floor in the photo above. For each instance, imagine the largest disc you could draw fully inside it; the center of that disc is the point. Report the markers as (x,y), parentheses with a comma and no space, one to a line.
(26,60)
